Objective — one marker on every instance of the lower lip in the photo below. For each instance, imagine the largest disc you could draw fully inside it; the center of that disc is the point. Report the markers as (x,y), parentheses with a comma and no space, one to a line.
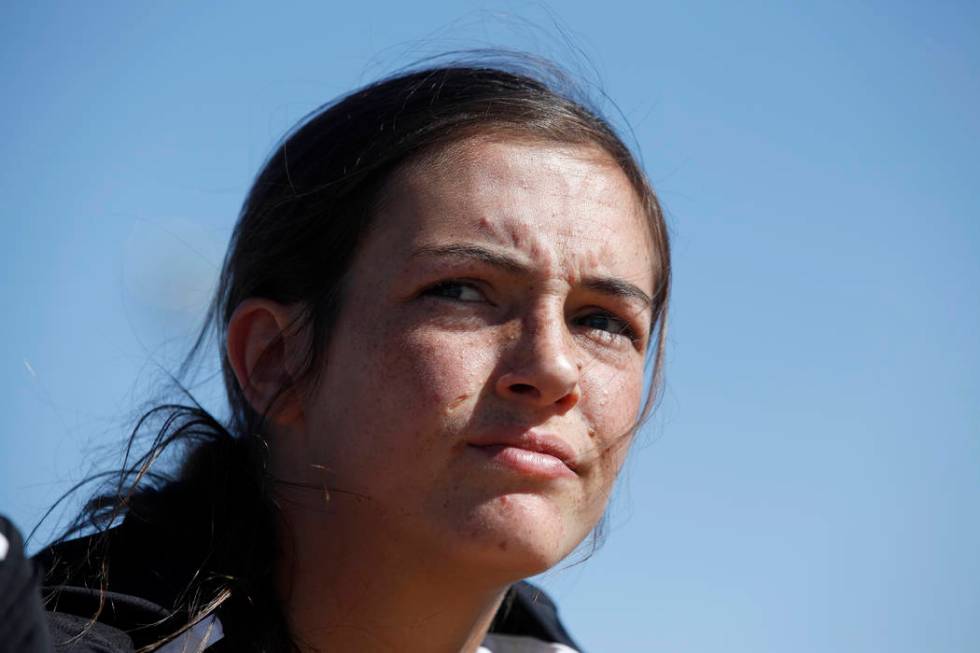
(523,461)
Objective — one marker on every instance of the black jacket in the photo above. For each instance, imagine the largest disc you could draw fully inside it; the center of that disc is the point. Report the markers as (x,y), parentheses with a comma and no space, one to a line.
(132,608)
(23,626)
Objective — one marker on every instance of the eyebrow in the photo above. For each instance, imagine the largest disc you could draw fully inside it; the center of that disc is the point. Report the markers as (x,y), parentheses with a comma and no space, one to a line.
(619,288)
(604,285)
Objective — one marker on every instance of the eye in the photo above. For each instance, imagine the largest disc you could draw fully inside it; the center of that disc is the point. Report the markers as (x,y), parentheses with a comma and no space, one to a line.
(607,324)
(460,291)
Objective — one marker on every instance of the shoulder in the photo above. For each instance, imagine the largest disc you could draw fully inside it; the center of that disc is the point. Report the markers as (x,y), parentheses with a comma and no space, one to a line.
(22,621)
(135,601)
(98,607)
(27,627)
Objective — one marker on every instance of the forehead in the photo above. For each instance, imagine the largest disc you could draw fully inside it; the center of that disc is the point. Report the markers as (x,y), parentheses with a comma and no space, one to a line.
(568,208)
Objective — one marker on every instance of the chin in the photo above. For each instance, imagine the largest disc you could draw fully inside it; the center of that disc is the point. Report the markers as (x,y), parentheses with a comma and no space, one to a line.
(519,535)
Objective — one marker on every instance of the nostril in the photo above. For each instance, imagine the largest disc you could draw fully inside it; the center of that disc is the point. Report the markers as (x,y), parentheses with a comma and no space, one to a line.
(522,388)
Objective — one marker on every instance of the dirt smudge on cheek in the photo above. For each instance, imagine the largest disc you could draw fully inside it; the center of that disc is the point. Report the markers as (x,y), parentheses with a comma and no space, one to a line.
(457,402)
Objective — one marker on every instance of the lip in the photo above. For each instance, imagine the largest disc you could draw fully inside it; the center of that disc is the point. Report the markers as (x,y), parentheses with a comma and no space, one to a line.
(530,453)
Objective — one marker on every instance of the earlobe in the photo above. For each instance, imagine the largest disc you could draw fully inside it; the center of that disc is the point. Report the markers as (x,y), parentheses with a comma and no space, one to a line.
(258,348)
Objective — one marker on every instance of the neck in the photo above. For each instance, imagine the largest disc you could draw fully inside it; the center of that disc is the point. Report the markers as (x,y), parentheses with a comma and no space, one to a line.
(349,585)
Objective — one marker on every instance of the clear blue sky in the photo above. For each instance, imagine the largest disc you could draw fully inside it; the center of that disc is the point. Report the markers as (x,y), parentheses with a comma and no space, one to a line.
(812,479)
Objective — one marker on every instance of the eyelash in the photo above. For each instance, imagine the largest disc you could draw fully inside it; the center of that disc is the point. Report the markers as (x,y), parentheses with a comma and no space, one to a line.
(447,290)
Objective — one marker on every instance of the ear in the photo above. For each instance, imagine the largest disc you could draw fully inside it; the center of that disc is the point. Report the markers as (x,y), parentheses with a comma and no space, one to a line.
(259,347)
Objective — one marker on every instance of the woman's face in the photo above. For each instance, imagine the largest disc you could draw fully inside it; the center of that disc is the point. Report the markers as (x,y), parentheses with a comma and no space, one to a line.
(487,366)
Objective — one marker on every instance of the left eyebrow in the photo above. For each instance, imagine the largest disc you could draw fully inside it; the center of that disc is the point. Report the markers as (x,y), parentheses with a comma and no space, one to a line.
(618,288)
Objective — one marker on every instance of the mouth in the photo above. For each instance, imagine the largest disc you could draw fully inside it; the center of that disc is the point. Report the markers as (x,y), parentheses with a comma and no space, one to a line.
(530,453)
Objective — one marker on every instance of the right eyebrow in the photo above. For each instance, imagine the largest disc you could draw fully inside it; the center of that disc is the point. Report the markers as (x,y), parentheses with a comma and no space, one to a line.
(483,254)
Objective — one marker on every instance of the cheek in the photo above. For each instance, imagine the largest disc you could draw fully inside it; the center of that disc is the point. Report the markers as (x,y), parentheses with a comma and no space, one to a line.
(427,375)
(612,399)
(389,394)
(438,364)
(612,408)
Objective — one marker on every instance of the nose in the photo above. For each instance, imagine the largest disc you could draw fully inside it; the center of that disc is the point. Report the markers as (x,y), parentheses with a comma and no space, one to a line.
(541,369)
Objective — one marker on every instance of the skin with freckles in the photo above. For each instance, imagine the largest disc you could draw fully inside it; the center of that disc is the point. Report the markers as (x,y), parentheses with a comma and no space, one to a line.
(476,397)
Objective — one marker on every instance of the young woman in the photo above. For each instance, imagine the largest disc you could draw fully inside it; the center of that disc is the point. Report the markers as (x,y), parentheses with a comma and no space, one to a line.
(437,310)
